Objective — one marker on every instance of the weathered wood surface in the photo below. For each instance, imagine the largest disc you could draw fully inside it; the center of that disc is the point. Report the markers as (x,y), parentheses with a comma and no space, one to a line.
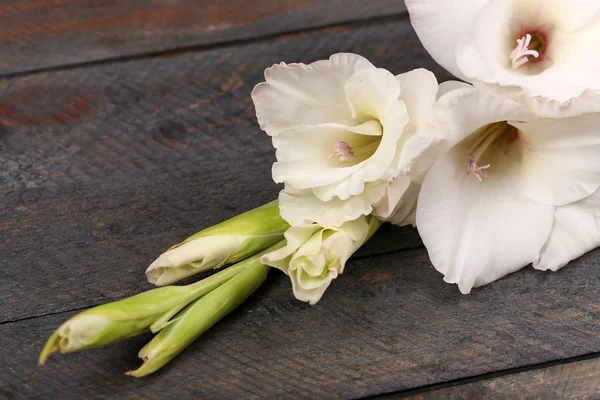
(46,33)
(388,324)
(100,239)
(576,380)
(105,166)
(162,148)
(121,121)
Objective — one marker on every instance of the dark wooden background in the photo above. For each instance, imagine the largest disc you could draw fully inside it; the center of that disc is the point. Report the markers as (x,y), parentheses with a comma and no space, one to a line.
(126,126)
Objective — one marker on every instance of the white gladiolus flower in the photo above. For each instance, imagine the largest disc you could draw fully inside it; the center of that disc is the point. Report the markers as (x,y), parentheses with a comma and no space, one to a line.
(314,256)
(546,47)
(513,189)
(347,135)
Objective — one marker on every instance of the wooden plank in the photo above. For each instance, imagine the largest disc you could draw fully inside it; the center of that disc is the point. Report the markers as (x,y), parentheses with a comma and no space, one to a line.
(48,33)
(81,246)
(89,196)
(388,324)
(105,167)
(126,120)
(574,380)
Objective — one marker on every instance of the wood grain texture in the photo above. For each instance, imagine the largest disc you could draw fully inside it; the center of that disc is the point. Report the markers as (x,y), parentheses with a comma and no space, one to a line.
(161,149)
(100,239)
(388,324)
(132,119)
(575,380)
(38,34)
(103,167)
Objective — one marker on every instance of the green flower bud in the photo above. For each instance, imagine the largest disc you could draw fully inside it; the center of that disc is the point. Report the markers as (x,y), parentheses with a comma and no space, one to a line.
(228,242)
(111,322)
(203,313)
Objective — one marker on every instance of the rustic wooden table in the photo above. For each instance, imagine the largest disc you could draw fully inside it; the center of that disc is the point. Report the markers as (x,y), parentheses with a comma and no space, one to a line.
(126,126)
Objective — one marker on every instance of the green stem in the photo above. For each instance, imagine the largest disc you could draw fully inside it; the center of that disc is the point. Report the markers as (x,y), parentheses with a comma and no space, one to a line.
(199,316)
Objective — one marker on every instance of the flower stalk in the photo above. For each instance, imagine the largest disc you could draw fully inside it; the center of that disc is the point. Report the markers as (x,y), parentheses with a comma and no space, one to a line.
(118,320)
(197,317)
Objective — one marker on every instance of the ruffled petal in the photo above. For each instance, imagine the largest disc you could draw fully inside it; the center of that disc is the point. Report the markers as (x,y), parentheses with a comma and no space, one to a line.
(477,232)
(543,107)
(297,94)
(300,207)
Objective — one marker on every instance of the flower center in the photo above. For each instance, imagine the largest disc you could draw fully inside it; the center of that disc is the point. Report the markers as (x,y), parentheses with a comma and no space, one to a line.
(475,169)
(484,140)
(343,151)
(531,53)
(520,54)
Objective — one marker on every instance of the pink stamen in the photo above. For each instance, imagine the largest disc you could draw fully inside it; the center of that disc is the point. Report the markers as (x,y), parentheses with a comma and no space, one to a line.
(475,169)
(521,52)
(342,151)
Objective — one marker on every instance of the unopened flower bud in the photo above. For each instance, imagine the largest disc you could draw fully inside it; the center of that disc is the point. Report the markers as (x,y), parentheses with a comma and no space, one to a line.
(314,255)
(228,242)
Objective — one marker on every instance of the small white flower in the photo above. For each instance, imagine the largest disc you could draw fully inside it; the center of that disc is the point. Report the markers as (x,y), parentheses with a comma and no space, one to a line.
(513,189)
(347,135)
(314,256)
(546,47)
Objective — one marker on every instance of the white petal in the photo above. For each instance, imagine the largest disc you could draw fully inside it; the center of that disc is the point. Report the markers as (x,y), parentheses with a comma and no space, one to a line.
(297,94)
(405,211)
(588,102)
(569,15)
(592,201)
(576,231)
(440,24)
(418,90)
(477,232)
(449,86)
(463,111)
(296,236)
(561,159)
(483,54)
(396,189)
(369,128)
(574,63)
(371,92)
(300,207)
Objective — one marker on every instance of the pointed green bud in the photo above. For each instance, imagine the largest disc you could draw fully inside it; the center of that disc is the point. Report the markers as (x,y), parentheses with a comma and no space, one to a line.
(225,243)
(111,322)
(202,314)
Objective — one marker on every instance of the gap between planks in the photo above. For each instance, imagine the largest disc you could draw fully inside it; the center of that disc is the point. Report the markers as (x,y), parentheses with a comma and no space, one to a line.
(402,394)
(217,45)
